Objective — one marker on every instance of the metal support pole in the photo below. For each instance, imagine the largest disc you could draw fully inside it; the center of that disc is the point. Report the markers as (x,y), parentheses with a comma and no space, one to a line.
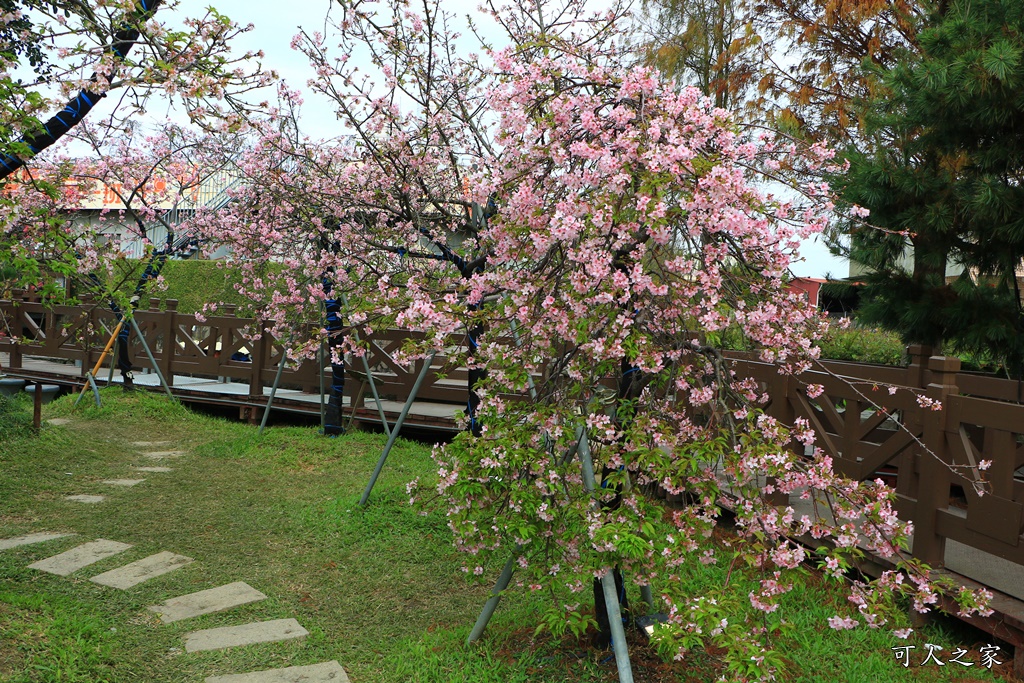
(110,375)
(376,397)
(647,595)
(611,598)
(369,377)
(95,389)
(96,368)
(89,382)
(492,602)
(323,416)
(81,393)
(398,427)
(152,361)
(273,389)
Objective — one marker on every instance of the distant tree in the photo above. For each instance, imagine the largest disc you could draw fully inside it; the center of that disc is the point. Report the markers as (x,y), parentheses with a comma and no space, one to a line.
(943,178)
(812,54)
(700,43)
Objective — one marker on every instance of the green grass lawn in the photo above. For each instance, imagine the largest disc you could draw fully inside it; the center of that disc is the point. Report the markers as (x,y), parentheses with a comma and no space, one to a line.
(379,589)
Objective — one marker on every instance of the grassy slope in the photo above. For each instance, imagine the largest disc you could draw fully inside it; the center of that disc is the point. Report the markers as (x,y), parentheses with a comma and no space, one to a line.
(379,589)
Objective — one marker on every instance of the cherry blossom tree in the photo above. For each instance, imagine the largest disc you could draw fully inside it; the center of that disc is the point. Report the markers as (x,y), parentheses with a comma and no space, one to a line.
(87,48)
(587,228)
(122,53)
(107,221)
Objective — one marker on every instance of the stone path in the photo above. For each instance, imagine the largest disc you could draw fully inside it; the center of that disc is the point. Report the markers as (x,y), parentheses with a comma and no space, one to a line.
(207,601)
(29,539)
(163,455)
(86,499)
(70,561)
(143,570)
(245,634)
(328,671)
(175,609)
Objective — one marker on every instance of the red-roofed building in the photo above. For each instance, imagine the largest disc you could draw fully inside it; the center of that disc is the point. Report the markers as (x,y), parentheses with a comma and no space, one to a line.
(809,287)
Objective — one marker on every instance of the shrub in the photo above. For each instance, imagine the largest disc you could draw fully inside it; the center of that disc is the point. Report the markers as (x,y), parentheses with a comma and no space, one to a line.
(863,345)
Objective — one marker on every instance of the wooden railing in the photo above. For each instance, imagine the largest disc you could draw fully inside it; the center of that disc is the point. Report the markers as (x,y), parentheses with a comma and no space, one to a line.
(873,424)
(868,419)
(188,345)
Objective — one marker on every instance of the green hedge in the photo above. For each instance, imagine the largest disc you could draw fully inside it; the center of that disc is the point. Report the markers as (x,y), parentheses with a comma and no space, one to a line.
(863,345)
(194,283)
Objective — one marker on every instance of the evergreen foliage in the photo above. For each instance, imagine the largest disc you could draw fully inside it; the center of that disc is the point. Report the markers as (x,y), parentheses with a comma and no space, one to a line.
(942,178)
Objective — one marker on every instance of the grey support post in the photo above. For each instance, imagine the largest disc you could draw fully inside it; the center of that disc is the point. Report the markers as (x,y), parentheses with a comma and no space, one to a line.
(398,427)
(492,602)
(273,389)
(152,361)
(611,597)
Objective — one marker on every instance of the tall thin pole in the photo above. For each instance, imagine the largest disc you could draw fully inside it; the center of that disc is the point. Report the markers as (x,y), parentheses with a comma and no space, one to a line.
(149,354)
(492,602)
(89,382)
(113,364)
(611,598)
(369,376)
(273,389)
(96,368)
(376,396)
(398,427)
(95,389)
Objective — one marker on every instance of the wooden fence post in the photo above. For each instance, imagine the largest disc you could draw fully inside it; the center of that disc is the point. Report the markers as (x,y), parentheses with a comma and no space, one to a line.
(260,355)
(170,329)
(15,361)
(782,410)
(917,369)
(49,327)
(935,477)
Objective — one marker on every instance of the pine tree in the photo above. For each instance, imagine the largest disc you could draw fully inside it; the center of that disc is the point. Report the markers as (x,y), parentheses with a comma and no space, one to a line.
(942,178)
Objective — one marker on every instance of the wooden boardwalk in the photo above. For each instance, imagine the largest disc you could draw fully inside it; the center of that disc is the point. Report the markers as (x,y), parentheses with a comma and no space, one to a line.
(224,392)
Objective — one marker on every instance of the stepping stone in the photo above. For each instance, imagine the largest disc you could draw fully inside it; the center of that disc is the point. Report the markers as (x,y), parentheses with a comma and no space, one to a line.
(72,560)
(163,455)
(28,539)
(140,444)
(86,499)
(142,570)
(315,673)
(153,469)
(246,634)
(208,601)
(123,482)
(58,421)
